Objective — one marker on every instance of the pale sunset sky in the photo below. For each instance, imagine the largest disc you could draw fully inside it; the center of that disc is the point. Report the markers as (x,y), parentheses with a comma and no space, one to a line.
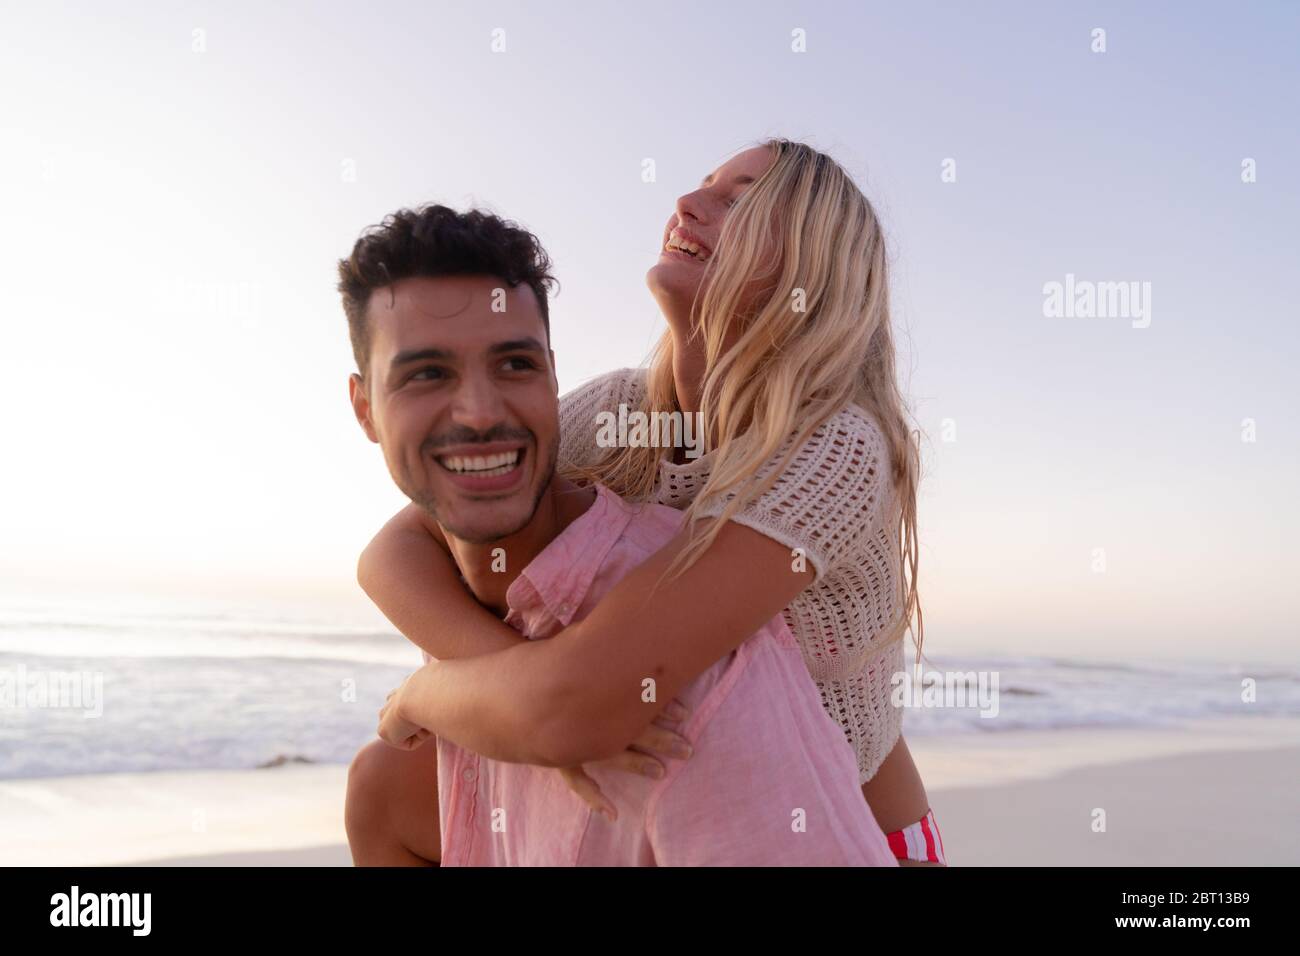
(179,180)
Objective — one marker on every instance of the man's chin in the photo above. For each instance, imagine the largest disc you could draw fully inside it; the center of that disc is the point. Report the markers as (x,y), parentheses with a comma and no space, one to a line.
(475,534)
(486,522)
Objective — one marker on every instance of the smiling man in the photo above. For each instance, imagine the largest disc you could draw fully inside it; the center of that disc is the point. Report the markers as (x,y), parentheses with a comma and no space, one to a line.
(456,382)
(483,467)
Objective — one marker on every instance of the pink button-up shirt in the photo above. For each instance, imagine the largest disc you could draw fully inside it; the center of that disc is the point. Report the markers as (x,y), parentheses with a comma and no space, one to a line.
(771,781)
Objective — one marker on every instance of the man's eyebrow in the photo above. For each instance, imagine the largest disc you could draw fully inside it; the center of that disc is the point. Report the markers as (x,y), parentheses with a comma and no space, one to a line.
(418,355)
(528,344)
(741,180)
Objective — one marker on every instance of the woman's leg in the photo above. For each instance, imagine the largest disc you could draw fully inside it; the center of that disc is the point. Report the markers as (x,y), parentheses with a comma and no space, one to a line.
(391,811)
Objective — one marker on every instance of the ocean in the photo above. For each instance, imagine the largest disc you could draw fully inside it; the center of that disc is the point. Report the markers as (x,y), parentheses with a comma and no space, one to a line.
(153,685)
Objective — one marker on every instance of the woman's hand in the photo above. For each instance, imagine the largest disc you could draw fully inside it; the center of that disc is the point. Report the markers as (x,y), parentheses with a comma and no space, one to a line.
(396,731)
(643,756)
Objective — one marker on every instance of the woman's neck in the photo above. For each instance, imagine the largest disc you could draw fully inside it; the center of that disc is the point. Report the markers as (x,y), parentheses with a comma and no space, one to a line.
(689,367)
(688,376)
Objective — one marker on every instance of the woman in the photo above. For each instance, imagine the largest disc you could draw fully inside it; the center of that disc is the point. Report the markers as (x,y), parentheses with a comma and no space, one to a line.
(772,278)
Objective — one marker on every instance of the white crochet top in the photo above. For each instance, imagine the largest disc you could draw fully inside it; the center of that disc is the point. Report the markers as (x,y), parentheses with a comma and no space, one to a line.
(835,501)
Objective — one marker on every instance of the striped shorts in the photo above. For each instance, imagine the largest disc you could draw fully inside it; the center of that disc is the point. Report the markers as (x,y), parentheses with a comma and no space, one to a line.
(920,841)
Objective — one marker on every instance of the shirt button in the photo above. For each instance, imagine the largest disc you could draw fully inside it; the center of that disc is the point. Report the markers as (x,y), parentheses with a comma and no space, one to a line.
(467,774)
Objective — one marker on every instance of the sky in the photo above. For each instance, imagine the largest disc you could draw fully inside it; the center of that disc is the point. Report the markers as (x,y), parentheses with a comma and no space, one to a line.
(179,180)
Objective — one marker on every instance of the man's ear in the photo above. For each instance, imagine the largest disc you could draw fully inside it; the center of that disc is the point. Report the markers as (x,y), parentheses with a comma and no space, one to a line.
(555,375)
(361,406)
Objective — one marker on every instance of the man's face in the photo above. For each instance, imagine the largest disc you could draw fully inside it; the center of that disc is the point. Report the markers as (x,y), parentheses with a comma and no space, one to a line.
(462,399)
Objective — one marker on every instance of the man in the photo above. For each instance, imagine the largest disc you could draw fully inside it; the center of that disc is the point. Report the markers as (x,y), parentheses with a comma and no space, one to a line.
(456,383)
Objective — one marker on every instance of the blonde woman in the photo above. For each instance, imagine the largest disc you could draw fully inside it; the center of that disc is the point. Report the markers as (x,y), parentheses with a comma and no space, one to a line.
(772,278)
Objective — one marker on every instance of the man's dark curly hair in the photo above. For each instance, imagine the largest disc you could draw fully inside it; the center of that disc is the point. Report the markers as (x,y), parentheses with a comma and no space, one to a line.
(434,241)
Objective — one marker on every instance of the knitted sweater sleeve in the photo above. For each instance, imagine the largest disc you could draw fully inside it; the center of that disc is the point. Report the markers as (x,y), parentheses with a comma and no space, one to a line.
(832,500)
(579,408)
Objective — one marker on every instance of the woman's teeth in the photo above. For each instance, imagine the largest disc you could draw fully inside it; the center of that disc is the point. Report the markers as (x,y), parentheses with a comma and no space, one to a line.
(485,466)
(678,244)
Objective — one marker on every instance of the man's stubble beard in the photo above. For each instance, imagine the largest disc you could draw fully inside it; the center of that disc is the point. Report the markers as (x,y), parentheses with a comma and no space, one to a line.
(428,503)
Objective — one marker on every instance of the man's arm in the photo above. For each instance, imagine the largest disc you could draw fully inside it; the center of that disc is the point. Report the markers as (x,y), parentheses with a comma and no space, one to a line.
(409,573)
(578,696)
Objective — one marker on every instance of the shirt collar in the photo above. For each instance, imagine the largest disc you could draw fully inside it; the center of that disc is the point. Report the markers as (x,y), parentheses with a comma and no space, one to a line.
(557,580)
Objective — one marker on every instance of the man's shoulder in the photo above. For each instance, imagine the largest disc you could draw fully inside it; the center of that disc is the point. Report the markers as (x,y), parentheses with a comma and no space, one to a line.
(650,525)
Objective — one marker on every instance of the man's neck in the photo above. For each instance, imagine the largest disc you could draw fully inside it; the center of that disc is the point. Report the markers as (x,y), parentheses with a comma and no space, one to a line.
(490,567)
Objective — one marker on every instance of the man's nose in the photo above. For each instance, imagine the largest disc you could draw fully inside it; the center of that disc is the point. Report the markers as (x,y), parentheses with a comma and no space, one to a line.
(478,404)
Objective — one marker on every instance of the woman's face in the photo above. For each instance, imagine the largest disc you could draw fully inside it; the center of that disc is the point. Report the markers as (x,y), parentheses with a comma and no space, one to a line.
(693,230)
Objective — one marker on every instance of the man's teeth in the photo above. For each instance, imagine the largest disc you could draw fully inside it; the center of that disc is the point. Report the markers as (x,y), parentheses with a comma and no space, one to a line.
(484,465)
(685,245)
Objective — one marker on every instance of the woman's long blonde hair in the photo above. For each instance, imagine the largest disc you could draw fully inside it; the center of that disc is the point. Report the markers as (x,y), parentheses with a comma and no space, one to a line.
(815,338)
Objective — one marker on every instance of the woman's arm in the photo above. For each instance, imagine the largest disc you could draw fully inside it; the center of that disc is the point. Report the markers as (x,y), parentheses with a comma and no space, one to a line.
(410,575)
(578,696)
(896,794)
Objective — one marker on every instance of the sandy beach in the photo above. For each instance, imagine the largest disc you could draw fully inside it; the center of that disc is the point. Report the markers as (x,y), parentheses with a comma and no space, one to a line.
(1213,793)
(1204,809)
